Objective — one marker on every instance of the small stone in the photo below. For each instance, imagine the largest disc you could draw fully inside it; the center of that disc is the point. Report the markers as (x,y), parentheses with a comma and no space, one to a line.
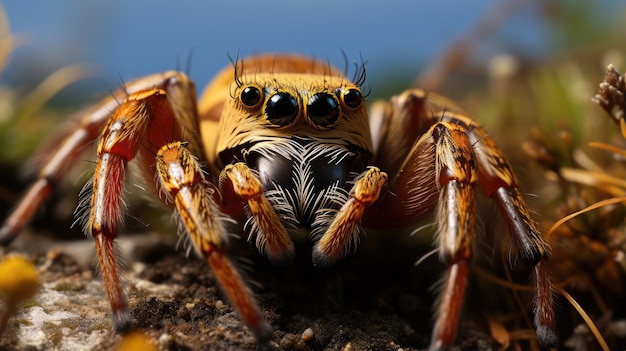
(165,339)
(307,335)
(288,341)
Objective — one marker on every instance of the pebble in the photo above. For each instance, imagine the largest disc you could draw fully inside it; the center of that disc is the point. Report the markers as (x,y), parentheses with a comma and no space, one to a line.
(307,335)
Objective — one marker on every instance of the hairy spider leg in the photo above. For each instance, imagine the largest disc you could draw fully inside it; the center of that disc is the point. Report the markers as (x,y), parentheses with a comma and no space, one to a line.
(104,194)
(416,188)
(184,184)
(143,122)
(272,239)
(498,181)
(64,150)
(342,234)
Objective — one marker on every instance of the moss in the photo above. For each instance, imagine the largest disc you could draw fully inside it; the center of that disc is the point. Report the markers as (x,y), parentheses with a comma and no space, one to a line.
(30,304)
(53,333)
(25,322)
(104,325)
(69,286)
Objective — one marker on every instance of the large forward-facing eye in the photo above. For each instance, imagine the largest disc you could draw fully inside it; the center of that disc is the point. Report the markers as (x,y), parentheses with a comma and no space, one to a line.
(251,96)
(352,97)
(323,109)
(281,109)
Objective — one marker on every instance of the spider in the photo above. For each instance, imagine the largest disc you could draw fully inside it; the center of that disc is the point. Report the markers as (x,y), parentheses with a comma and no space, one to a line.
(282,142)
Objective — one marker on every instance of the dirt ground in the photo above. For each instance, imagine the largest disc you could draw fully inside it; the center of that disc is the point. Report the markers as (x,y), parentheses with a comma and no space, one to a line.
(376,299)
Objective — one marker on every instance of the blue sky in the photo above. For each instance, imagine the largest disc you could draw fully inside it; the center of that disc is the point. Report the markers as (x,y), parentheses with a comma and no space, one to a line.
(134,38)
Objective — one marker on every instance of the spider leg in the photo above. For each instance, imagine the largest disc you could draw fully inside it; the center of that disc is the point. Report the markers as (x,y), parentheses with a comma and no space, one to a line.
(71,145)
(441,172)
(456,174)
(498,181)
(409,125)
(119,143)
(64,151)
(272,239)
(183,183)
(343,230)
(145,120)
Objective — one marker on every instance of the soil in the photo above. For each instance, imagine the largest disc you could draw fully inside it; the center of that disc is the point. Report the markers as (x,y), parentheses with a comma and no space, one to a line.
(375,299)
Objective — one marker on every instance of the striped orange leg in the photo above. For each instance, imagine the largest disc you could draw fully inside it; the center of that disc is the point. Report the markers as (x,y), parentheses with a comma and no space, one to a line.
(342,234)
(183,183)
(144,121)
(122,128)
(456,175)
(272,239)
(498,181)
(440,172)
(58,160)
(417,124)
(118,144)
(64,150)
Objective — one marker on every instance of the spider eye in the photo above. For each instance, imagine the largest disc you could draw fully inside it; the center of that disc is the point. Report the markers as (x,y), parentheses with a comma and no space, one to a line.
(323,109)
(250,96)
(281,109)
(352,97)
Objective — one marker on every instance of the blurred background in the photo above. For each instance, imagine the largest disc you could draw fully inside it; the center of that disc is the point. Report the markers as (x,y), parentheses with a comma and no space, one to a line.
(454,47)
(128,39)
(131,38)
(526,69)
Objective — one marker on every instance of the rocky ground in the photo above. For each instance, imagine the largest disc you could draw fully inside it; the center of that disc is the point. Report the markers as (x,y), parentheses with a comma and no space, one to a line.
(376,299)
